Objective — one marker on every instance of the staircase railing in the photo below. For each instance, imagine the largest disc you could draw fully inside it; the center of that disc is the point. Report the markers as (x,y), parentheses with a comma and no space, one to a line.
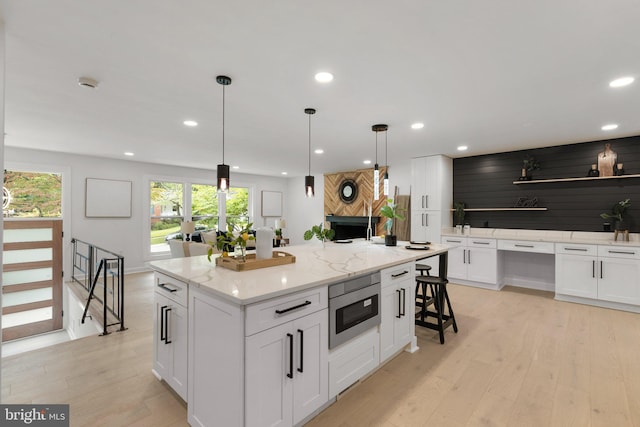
(89,262)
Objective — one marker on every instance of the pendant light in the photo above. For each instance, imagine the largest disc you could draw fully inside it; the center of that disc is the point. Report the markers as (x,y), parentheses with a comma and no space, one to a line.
(385,185)
(223,170)
(309,179)
(376,168)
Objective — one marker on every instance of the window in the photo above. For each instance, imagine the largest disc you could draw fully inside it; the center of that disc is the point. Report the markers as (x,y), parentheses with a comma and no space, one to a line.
(171,202)
(32,195)
(167,212)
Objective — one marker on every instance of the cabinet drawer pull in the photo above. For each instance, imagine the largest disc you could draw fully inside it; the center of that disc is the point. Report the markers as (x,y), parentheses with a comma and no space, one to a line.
(481,243)
(290,373)
(399,315)
(453,241)
(400,274)
(166,326)
(576,249)
(301,368)
(601,269)
(404,301)
(166,288)
(524,246)
(162,331)
(622,252)
(293,308)
(593,268)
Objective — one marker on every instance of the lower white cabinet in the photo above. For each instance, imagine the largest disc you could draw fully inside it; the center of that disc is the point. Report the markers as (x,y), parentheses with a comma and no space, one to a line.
(474,259)
(598,272)
(396,309)
(170,326)
(426,226)
(287,371)
(216,362)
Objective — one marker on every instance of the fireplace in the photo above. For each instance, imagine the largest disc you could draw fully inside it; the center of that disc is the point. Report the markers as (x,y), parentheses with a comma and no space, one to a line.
(351,227)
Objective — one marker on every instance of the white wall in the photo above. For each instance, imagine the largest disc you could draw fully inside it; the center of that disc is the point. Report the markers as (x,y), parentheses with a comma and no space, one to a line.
(303,212)
(128,236)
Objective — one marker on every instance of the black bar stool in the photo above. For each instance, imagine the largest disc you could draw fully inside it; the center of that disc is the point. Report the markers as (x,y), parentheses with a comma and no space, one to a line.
(422,299)
(439,295)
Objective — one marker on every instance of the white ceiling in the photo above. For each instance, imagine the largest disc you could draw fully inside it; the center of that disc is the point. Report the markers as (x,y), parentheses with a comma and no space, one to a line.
(496,75)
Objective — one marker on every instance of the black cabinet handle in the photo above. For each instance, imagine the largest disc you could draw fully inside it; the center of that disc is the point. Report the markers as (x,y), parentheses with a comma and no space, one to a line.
(622,252)
(575,249)
(481,243)
(404,302)
(593,269)
(399,315)
(601,269)
(166,288)
(293,308)
(400,274)
(301,368)
(290,373)
(524,246)
(468,256)
(162,333)
(166,325)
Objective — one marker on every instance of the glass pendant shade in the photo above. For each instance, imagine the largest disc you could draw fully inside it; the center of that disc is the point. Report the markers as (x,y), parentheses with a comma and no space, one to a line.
(309,185)
(376,182)
(385,184)
(223,178)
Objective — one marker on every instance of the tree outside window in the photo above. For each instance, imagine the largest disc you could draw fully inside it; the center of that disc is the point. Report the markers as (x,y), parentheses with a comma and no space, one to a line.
(32,195)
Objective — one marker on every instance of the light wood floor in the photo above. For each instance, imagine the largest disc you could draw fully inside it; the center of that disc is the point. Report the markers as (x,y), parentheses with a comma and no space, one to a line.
(519,359)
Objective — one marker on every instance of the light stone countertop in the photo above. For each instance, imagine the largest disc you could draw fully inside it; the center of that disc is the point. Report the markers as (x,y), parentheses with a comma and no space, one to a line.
(315,266)
(554,236)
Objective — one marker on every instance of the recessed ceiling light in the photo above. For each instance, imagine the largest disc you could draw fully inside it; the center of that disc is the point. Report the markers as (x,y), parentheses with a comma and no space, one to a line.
(235,167)
(417,126)
(190,123)
(622,81)
(319,151)
(324,77)
(128,153)
(88,82)
(367,162)
(462,148)
(284,173)
(611,126)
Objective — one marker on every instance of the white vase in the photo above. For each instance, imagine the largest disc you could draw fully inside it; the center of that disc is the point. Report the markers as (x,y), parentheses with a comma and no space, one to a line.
(264,243)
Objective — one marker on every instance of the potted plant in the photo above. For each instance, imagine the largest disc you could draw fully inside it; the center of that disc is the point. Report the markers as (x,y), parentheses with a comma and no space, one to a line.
(235,236)
(391,212)
(323,234)
(617,213)
(529,164)
(459,213)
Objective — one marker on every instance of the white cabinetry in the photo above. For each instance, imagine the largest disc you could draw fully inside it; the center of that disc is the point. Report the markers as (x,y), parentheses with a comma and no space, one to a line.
(431,196)
(170,326)
(216,361)
(606,273)
(474,259)
(286,365)
(397,309)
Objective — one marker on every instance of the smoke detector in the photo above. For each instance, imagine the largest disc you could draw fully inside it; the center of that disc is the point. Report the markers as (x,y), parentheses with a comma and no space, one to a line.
(88,82)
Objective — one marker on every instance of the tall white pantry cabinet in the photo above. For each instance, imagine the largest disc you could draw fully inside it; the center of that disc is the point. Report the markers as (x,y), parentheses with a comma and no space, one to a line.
(431,197)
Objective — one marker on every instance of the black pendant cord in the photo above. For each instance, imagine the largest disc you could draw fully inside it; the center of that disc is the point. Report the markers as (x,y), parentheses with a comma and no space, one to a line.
(385,151)
(376,148)
(223,124)
(309,144)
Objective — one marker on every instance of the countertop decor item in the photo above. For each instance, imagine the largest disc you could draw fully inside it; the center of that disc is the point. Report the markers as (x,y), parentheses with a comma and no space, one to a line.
(236,235)
(252,262)
(390,211)
(617,212)
(323,234)
(459,213)
(264,242)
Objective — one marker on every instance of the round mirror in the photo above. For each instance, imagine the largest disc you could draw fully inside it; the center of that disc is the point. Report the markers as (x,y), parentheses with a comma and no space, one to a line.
(348,191)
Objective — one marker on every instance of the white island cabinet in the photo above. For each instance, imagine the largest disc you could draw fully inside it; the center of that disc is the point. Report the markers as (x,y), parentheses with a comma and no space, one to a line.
(396,309)
(257,341)
(170,333)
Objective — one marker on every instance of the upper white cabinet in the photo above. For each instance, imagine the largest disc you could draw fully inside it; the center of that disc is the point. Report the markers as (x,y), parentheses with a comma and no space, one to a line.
(431,196)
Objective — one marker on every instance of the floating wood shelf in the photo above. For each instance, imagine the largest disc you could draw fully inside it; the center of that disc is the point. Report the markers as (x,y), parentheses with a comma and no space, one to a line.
(501,209)
(587,178)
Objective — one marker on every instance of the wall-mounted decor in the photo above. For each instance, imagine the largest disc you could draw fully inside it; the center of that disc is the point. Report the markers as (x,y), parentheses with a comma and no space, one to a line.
(607,160)
(107,198)
(348,191)
(271,203)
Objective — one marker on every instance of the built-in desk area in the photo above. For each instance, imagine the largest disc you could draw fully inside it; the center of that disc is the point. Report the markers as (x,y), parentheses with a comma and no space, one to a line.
(584,267)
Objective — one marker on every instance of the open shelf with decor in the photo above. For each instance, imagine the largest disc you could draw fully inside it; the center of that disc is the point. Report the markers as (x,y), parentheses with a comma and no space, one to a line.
(586,178)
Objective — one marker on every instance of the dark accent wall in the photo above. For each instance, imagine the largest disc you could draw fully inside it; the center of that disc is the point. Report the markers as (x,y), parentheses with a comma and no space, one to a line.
(487,182)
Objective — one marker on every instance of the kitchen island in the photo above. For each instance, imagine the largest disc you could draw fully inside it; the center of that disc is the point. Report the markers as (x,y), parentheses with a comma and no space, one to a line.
(236,332)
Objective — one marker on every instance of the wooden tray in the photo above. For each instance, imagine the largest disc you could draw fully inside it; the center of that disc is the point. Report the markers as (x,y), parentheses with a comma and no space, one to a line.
(279,258)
